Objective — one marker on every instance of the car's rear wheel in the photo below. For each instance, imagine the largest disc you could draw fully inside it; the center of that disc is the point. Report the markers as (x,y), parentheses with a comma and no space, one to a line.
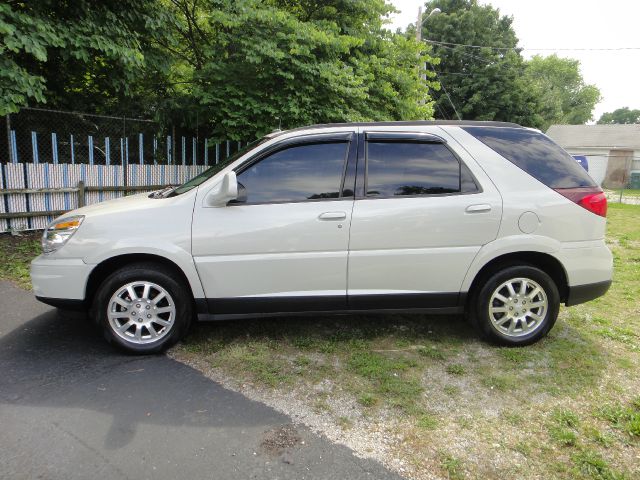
(516,305)
(143,308)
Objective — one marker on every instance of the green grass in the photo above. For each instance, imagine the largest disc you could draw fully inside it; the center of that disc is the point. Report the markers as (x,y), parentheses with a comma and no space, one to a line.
(568,403)
(17,253)
(427,421)
(623,417)
(452,466)
(455,369)
(409,366)
(592,465)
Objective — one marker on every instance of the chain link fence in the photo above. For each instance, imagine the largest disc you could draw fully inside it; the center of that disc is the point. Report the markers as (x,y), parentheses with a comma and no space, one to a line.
(617,171)
(54,161)
(50,136)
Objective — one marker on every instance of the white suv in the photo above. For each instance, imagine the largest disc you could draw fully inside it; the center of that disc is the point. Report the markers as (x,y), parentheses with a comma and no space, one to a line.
(489,219)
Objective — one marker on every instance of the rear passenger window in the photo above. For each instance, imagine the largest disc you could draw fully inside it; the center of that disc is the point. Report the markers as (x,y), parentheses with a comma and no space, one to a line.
(413,168)
(536,154)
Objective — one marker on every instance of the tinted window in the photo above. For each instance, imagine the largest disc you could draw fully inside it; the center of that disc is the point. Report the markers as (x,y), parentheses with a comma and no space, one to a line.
(301,172)
(405,168)
(536,154)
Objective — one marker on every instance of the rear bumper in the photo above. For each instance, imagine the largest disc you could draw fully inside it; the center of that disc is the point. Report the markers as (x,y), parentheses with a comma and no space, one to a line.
(583,293)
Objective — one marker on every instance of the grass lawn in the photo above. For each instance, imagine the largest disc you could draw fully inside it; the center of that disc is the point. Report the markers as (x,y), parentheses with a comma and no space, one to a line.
(16,253)
(425,396)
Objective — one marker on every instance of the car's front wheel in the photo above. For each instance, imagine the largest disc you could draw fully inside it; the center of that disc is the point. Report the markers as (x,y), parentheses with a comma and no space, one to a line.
(143,308)
(517,305)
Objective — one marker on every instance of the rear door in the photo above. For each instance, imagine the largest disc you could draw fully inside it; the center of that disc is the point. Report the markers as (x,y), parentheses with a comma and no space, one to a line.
(420,216)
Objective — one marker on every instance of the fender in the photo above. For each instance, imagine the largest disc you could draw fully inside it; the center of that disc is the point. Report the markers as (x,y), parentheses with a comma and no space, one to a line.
(508,245)
(181,257)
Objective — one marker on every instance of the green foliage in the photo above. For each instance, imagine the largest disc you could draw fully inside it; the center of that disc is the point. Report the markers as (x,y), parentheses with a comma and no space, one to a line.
(78,53)
(243,67)
(494,82)
(565,99)
(253,66)
(483,83)
(621,115)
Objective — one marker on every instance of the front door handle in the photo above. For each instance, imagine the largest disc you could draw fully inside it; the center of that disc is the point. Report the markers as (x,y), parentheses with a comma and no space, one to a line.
(479,208)
(335,216)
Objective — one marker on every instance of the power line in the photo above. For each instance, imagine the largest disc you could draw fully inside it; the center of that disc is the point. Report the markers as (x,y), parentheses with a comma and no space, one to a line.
(486,60)
(604,49)
(446,93)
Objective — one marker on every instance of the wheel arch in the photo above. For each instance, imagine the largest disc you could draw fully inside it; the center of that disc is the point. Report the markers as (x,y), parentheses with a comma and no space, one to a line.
(544,261)
(111,264)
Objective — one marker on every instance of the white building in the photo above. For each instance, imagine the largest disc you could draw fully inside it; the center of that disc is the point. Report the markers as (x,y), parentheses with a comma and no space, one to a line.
(612,151)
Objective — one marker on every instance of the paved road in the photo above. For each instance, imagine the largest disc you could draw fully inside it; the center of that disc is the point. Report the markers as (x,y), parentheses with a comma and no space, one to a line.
(72,407)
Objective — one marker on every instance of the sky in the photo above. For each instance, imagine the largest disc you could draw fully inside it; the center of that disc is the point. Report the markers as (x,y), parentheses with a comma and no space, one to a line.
(570,24)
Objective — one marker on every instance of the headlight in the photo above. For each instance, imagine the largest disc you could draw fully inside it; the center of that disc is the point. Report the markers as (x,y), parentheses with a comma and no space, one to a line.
(59,232)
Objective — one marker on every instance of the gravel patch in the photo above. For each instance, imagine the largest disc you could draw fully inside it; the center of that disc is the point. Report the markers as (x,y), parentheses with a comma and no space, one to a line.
(376,439)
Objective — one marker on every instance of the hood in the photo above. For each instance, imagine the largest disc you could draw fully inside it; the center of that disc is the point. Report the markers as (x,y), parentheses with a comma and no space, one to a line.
(131,202)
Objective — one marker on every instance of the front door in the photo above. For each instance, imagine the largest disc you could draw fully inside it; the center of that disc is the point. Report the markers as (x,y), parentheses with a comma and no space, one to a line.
(282,246)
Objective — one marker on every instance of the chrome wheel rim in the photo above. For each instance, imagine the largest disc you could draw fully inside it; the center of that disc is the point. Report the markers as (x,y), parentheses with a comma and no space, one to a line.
(518,307)
(141,312)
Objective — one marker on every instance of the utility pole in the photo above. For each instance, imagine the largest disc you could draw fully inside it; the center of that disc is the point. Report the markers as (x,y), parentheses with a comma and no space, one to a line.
(422,74)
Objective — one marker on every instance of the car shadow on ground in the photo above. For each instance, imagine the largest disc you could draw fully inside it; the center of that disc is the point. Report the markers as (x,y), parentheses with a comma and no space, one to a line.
(57,361)
(338,329)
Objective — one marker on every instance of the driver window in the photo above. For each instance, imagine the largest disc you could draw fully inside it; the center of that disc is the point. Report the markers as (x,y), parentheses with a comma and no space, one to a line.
(295,174)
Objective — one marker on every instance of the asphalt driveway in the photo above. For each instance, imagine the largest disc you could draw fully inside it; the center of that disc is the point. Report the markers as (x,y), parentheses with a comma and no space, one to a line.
(72,407)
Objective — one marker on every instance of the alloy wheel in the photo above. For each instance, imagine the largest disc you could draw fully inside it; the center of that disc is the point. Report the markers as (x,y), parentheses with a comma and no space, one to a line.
(518,307)
(141,312)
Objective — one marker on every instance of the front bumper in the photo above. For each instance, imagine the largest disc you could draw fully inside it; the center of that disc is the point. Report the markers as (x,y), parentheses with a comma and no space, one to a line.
(59,279)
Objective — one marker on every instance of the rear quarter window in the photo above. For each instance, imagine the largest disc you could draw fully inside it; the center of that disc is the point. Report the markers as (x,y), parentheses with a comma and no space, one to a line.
(536,154)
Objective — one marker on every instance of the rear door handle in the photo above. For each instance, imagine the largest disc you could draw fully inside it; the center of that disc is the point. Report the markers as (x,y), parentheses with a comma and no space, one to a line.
(333,216)
(479,208)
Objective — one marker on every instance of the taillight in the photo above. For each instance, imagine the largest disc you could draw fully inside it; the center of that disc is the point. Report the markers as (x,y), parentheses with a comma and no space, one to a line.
(590,198)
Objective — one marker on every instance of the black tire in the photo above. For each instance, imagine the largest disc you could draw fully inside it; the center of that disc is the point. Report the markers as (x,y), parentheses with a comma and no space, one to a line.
(483,320)
(160,276)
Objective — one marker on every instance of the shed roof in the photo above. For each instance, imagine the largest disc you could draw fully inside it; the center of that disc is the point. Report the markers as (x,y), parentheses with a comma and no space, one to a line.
(607,136)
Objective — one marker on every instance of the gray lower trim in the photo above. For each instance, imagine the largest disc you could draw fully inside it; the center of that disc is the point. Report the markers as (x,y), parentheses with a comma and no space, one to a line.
(64,303)
(583,293)
(268,306)
(203,317)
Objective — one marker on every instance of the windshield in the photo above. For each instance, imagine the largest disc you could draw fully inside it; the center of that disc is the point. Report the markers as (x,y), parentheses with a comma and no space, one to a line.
(210,172)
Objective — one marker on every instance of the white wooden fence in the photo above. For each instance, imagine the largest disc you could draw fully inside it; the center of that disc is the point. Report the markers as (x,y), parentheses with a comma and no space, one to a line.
(76,184)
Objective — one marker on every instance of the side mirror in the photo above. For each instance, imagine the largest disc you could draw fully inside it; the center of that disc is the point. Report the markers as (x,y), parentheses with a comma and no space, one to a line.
(225,191)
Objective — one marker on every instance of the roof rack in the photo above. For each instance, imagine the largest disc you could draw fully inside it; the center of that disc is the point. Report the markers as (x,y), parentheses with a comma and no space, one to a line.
(412,123)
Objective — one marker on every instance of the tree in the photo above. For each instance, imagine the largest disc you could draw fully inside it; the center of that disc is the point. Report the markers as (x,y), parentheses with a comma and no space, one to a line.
(565,99)
(484,81)
(243,67)
(80,54)
(253,65)
(620,115)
